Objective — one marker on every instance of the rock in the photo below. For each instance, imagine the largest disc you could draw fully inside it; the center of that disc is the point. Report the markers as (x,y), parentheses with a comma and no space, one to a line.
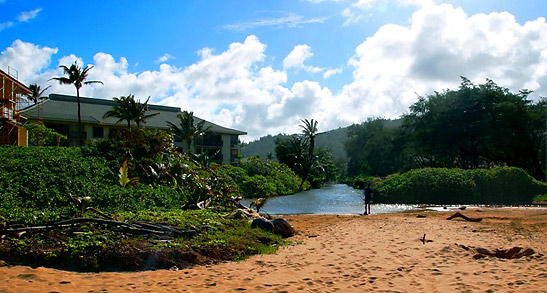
(282,227)
(262,224)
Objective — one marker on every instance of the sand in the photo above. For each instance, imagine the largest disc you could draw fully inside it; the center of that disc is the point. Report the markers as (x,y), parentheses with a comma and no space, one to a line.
(380,253)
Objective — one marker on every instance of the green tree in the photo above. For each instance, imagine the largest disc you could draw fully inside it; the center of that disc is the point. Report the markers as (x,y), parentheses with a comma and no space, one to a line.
(372,148)
(77,76)
(188,130)
(478,126)
(128,109)
(309,130)
(37,93)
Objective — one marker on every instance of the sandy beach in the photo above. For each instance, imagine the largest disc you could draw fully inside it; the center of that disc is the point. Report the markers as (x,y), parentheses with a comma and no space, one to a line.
(380,253)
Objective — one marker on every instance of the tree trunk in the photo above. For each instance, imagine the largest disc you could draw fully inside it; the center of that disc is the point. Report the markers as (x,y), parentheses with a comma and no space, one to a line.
(79,118)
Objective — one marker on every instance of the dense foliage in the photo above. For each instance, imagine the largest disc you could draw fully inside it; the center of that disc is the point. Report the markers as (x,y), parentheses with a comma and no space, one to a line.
(41,184)
(38,181)
(315,166)
(475,126)
(261,178)
(499,185)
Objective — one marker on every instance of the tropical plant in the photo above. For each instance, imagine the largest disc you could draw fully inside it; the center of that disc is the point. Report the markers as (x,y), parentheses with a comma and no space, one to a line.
(126,108)
(37,93)
(309,130)
(77,76)
(188,130)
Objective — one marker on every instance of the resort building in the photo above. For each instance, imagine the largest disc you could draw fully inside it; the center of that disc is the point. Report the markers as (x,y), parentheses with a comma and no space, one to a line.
(59,112)
(12,94)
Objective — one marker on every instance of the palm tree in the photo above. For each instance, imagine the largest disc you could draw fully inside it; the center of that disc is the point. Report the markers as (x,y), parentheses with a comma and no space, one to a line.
(37,93)
(128,109)
(310,132)
(76,75)
(188,130)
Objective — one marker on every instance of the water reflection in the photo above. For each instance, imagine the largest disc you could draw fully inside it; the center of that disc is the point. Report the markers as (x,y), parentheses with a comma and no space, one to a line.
(337,199)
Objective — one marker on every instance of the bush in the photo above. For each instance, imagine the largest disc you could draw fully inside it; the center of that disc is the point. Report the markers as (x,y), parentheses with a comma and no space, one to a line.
(280,179)
(258,186)
(457,186)
(38,181)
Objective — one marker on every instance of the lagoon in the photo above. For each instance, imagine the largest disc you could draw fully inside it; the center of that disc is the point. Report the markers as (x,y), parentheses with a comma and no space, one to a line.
(339,199)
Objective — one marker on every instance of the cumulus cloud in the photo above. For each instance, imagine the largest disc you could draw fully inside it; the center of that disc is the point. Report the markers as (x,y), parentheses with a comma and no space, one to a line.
(28,59)
(236,87)
(296,58)
(441,44)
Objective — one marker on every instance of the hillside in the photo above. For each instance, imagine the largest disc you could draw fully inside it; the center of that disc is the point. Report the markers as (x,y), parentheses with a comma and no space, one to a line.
(332,140)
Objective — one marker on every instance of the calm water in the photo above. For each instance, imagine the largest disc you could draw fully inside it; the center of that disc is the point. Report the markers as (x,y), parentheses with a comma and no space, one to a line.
(338,199)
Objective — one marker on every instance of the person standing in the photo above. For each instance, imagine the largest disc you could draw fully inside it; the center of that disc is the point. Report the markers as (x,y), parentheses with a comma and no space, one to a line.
(368,199)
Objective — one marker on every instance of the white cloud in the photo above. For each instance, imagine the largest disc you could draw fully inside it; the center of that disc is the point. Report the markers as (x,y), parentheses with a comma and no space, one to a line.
(330,72)
(28,15)
(5,25)
(23,17)
(441,44)
(296,58)
(237,88)
(288,20)
(350,16)
(28,59)
(164,58)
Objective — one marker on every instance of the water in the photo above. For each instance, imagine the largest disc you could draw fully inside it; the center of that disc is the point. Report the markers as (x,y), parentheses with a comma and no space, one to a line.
(337,199)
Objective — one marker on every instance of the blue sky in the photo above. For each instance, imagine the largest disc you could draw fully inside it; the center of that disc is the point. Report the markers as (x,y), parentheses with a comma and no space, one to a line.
(260,66)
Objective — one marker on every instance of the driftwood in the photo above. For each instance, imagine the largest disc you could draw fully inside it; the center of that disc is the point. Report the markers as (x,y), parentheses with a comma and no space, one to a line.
(129,228)
(460,215)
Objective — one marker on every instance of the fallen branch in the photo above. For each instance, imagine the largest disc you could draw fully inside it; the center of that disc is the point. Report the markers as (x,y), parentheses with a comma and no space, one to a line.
(460,215)
(129,228)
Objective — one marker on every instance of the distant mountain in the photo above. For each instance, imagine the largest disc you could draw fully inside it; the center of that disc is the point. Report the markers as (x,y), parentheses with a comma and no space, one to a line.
(333,140)
(265,146)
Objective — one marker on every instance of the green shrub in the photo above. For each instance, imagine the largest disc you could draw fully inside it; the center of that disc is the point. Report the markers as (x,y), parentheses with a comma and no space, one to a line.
(38,181)
(457,186)
(258,186)
(274,178)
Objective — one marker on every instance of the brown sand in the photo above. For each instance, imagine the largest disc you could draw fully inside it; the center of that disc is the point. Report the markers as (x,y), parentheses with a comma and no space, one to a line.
(348,254)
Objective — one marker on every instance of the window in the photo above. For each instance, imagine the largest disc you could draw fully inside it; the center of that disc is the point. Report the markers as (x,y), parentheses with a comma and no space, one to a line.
(98,132)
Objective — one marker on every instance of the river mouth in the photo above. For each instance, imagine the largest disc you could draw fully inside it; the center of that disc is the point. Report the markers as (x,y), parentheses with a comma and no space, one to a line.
(338,199)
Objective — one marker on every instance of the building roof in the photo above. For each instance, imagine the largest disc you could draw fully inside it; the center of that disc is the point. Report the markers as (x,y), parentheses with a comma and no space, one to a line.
(63,108)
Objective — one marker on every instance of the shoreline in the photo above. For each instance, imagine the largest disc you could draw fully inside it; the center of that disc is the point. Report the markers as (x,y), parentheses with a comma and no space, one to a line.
(348,253)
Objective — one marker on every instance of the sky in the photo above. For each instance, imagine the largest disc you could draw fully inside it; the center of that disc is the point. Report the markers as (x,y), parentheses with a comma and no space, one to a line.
(262,66)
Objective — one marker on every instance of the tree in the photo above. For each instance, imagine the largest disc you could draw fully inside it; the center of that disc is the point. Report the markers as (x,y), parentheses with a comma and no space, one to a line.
(37,93)
(309,130)
(76,75)
(128,109)
(478,126)
(187,130)
(371,148)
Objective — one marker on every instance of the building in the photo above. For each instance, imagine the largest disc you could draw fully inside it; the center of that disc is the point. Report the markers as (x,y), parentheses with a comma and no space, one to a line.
(59,112)
(12,94)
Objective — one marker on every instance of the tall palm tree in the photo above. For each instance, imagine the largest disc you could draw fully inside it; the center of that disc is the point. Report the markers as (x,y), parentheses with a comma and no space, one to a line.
(128,109)
(188,130)
(309,129)
(76,75)
(37,93)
